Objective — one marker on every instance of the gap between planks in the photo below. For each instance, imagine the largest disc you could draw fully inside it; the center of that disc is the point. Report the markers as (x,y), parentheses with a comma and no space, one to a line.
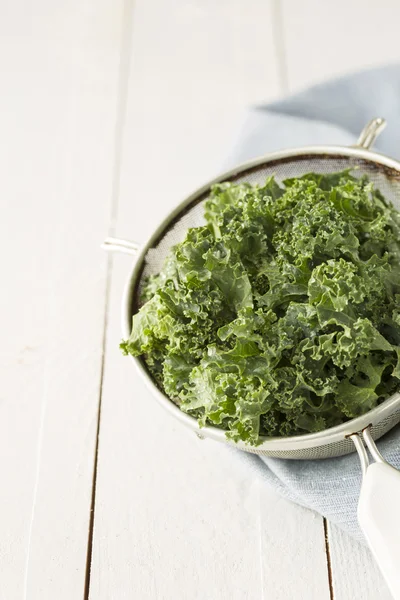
(96,451)
(123,85)
(328,558)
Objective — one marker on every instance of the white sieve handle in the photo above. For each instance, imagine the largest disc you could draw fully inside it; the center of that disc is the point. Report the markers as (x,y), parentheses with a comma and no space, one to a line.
(379,510)
(112,244)
(370,132)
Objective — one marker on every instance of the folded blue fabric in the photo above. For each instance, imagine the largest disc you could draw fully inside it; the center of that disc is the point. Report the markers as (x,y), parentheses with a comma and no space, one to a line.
(331,113)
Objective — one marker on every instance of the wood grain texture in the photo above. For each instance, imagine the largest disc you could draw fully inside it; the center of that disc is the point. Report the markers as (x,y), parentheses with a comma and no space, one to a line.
(176,517)
(59,65)
(327,39)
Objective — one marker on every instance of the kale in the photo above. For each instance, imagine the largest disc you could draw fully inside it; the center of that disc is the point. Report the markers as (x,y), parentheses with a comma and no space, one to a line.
(281,315)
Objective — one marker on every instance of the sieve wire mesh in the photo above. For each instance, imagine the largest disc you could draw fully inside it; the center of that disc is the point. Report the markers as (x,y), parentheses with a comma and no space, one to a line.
(386,179)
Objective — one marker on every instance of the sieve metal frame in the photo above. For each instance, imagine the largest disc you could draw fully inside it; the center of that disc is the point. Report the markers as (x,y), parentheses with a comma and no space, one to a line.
(302,445)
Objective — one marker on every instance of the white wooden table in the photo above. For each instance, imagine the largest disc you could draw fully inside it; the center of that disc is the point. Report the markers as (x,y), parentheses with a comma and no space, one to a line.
(107,108)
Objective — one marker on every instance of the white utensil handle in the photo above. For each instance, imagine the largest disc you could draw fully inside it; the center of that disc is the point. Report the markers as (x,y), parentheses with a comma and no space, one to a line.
(379,518)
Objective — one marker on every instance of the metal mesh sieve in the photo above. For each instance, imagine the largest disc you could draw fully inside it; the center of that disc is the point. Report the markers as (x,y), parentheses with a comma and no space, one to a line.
(192,215)
(330,449)
(383,172)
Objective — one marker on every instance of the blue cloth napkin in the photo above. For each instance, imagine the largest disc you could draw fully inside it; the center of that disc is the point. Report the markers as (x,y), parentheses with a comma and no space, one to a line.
(331,113)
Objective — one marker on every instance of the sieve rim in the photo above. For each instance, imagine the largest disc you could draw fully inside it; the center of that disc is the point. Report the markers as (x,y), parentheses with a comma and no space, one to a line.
(272,444)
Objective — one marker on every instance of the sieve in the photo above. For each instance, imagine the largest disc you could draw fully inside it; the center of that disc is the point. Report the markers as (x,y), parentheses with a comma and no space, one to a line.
(378,511)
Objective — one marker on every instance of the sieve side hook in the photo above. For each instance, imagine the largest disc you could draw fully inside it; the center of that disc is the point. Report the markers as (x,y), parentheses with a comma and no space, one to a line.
(112,244)
(370,132)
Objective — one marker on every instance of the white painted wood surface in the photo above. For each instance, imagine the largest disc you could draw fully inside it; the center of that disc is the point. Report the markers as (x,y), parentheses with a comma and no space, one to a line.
(59,98)
(107,111)
(327,39)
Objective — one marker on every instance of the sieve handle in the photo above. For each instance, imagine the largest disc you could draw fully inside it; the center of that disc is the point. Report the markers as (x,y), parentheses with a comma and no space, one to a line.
(112,244)
(378,510)
(370,132)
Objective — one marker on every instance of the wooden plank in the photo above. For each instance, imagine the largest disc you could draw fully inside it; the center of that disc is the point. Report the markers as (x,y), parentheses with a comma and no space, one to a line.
(292,550)
(59,91)
(176,517)
(325,39)
(354,571)
(195,68)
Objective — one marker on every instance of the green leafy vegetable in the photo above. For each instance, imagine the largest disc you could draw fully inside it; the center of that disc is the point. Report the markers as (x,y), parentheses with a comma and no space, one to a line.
(281,315)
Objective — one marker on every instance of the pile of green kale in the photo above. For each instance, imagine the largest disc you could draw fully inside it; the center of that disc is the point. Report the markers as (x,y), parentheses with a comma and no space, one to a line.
(282,315)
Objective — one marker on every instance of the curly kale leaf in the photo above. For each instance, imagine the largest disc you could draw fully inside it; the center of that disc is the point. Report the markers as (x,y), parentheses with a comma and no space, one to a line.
(281,315)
